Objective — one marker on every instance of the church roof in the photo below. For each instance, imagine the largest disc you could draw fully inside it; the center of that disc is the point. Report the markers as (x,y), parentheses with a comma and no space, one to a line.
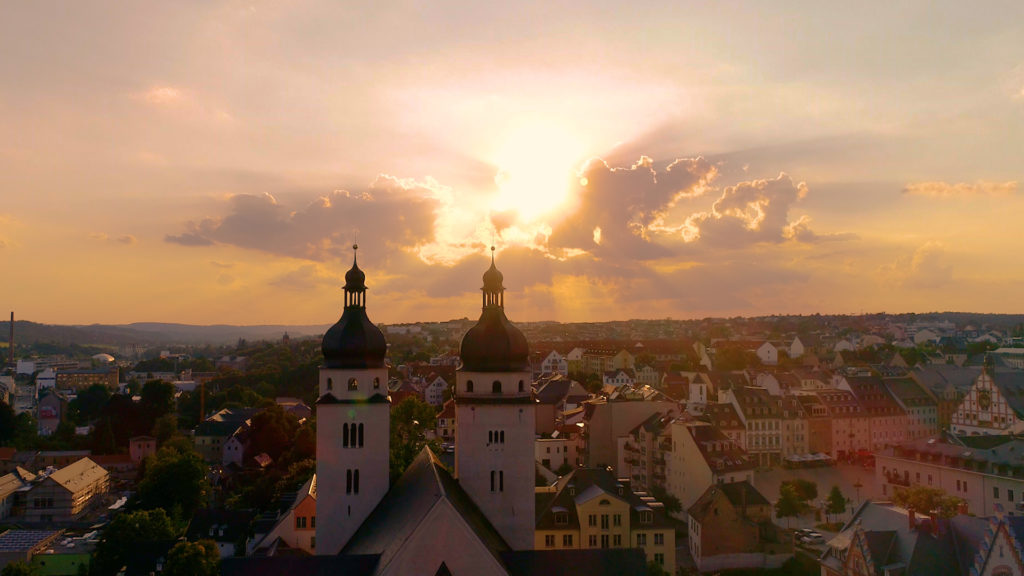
(354,342)
(494,344)
(423,485)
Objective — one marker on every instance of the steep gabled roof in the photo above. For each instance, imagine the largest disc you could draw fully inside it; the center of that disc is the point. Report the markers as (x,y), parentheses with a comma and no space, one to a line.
(394,521)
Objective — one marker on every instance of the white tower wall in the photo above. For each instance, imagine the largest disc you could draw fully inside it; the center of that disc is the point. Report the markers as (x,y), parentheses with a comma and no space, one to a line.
(352,475)
(494,451)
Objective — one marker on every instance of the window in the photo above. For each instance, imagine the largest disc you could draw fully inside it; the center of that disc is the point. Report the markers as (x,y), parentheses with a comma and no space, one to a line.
(330,384)
(300,522)
(497,480)
(646,516)
(592,520)
(353,384)
(659,558)
(641,539)
(312,521)
(567,540)
(604,521)
(348,481)
(659,539)
(1009,495)
(376,383)
(360,435)
(995,492)
(617,520)
(617,540)
(469,385)
(592,540)
(604,540)
(561,517)
(496,387)
(549,540)
(520,385)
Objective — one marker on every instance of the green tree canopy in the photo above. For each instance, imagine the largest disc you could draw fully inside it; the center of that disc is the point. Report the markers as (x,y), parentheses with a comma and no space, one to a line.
(805,490)
(137,530)
(836,502)
(410,419)
(193,559)
(788,505)
(175,479)
(927,500)
(20,568)
(157,399)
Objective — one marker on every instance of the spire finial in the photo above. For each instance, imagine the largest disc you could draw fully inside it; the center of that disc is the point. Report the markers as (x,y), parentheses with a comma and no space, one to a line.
(492,253)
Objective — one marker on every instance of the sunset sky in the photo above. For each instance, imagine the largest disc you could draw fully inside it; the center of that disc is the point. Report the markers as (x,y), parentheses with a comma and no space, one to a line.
(213,162)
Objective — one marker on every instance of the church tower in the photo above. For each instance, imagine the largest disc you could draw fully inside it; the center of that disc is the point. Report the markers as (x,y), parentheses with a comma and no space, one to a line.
(494,454)
(353,414)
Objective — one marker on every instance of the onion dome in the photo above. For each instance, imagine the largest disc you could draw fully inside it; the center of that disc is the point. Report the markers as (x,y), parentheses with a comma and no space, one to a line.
(354,342)
(494,344)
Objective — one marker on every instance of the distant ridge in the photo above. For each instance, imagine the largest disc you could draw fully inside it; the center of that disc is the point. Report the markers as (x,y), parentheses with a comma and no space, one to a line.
(151,333)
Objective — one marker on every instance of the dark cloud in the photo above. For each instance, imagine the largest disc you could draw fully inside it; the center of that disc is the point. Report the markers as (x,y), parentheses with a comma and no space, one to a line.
(394,213)
(619,206)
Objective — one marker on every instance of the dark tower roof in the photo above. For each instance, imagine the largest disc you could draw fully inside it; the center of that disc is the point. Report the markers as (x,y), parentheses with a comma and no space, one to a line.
(354,342)
(494,344)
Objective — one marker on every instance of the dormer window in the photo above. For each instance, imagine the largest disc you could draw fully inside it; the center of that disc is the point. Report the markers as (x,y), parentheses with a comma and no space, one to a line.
(572,489)
(561,517)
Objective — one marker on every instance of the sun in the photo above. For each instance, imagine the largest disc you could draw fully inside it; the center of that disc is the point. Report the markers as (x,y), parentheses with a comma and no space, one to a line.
(537,164)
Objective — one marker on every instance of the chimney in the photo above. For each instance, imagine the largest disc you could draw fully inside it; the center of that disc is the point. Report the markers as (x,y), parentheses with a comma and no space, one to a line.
(911,519)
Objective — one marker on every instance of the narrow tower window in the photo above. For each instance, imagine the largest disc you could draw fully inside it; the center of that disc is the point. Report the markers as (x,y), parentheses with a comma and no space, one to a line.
(360,436)
(469,385)
(355,481)
(348,481)
(330,384)
(520,385)
(344,435)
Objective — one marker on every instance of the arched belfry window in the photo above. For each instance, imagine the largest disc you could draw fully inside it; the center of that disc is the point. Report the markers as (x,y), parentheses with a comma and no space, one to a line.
(496,387)
(330,384)
(469,385)
(520,385)
(353,384)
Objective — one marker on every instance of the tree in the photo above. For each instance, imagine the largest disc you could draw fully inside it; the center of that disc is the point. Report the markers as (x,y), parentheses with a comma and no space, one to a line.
(835,503)
(165,428)
(927,500)
(410,420)
(671,503)
(157,399)
(128,533)
(8,424)
(806,490)
(87,406)
(193,559)
(273,431)
(175,479)
(20,568)
(788,505)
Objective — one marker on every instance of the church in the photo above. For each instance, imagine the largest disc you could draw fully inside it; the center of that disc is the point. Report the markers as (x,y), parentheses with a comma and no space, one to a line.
(479,521)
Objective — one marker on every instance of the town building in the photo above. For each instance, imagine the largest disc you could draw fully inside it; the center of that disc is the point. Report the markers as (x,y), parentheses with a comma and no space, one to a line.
(645,452)
(730,527)
(986,472)
(993,405)
(887,421)
(294,528)
(62,495)
(884,539)
(590,508)
(703,456)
